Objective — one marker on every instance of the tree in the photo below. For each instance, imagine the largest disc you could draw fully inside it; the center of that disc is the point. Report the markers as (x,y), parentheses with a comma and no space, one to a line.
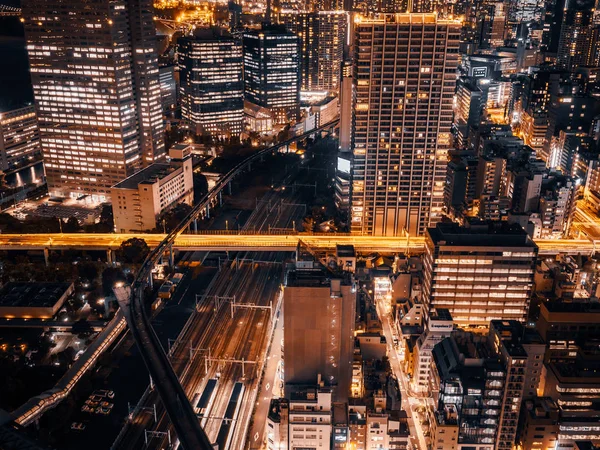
(106,217)
(87,270)
(110,277)
(308,224)
(134,250)
(71,225)
(200,186)
(174,216)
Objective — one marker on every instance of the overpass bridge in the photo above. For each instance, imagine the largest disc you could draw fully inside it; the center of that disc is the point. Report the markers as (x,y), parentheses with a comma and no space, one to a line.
(249,241)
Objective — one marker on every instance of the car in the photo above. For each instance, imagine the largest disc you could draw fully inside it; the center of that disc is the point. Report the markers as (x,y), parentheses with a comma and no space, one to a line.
(96,398)
(79,426)
(104,393)
(104,411)
(106,405)
(92,404)
(87,409)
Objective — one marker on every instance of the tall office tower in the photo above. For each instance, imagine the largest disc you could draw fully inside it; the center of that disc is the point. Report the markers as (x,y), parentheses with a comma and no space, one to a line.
(211,82)
(469,107)
(480,273)
(19,138)
(272,71)
(318,311)
(405,76)
(322,35)
(574,49)
(97,92)
(498,32)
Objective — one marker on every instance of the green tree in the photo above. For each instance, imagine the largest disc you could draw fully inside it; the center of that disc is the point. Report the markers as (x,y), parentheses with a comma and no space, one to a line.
(174,216)
(87,270)
(71,225)
(200,186)
(308,224)
(110,277)
(134,250)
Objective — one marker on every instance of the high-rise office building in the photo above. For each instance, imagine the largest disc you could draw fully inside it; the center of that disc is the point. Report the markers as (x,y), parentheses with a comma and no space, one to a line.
(318,336)
(96,84)
(272,71)
(405,77)
(322,35)
(480,273)
(19,137)
(211,82)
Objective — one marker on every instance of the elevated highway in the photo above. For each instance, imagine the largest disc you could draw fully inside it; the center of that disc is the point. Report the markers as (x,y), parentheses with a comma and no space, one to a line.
(250,241)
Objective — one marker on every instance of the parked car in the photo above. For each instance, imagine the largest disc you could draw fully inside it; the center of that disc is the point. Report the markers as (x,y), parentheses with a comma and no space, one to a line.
(79,426)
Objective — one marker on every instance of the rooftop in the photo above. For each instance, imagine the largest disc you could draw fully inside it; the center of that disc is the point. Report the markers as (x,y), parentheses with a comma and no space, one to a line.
(487,234)
(41,295)
(345,251)
(149,175)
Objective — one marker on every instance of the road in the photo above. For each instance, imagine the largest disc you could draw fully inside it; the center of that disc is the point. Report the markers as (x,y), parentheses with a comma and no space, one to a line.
(409,402)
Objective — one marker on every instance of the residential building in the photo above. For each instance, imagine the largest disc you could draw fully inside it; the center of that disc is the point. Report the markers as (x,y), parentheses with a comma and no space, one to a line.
(95,76)
(211,82)
(319,310)
(322,36)
(480,272)
(522,354)
(346,108)
(272,71)
(574,49)
(467,384)
(138,200)
(405,77)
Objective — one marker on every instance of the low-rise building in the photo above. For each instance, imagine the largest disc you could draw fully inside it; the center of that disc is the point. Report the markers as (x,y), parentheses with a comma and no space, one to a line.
(539,424)
(138,200)
(302,421)
(439,327)
(33,300)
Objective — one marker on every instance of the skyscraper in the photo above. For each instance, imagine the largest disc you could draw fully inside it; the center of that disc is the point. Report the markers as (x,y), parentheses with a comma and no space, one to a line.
(272,71)
(405,76)
(211,82)
(322,35)
(97,92)
(574,44)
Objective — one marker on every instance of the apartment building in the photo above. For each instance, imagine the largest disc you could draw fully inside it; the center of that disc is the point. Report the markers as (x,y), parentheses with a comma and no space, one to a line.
(405,77)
